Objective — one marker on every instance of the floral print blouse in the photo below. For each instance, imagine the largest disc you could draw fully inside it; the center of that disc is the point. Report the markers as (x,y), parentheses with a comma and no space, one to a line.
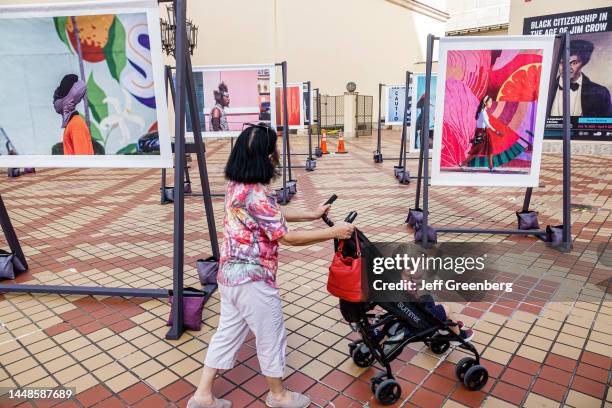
(252,225)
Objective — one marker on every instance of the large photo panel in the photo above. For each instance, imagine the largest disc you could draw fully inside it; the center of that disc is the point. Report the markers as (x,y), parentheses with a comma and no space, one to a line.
(418,98)
(491,105)
(82,85)
(590,79)
(231,95)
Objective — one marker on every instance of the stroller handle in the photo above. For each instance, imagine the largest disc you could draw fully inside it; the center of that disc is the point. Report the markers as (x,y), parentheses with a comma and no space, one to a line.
(330,201)
(349,218)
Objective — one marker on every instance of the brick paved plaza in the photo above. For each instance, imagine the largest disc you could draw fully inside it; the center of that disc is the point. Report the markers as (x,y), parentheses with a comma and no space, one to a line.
(547,344)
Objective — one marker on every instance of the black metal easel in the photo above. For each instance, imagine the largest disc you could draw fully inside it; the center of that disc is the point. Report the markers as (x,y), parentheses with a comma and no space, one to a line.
(378,157)
(185,89)
(401,172)
(284,195)
(318,151)
(10,235)
(167,192)
(424,161)
(193,148)
(311,163)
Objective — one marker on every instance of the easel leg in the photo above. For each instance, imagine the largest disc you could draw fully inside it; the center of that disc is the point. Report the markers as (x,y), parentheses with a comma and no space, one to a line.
(425,140)
(567,221)
(527,200)
(378,158)
(417,201)
(177,328)
(285,190)
(201,157)
(10,235)
(163,186)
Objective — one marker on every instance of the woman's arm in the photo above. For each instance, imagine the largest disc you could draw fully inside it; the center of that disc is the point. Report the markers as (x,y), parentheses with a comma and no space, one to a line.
(485,117)
(296,215)
(215,119)
(342,230)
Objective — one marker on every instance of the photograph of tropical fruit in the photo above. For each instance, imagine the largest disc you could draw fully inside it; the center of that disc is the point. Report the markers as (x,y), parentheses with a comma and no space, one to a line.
(79,85)
(491,101)
(490,106)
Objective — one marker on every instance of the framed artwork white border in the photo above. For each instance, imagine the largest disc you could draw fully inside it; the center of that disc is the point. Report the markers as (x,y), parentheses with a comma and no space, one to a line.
(242,67)
(302,113)
(388,121)
(151,8)
(413,114)
(310,102)
(516,42)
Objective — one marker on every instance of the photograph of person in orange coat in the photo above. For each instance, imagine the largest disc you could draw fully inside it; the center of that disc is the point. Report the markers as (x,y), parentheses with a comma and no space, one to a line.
(77,137)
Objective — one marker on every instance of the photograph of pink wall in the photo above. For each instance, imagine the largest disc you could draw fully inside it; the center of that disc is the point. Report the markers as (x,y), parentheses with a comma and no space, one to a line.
(234,95)
(491,101)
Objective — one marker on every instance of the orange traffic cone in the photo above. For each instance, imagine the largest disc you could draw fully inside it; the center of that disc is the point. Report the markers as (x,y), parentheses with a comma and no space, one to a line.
(341,148)
(324,142)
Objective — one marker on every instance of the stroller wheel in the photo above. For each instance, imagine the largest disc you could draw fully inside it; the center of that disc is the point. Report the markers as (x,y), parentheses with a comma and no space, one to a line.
(362,356)
(463,366)
(352,346)
(376,381)
(475,378)
(388,392)
(439,346)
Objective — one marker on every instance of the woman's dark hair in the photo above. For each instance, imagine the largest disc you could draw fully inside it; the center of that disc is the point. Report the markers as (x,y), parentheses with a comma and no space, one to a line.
(219,93)
(254,157)
(482,104)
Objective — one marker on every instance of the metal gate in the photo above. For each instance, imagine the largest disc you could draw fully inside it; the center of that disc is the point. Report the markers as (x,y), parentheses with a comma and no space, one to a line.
(332,111)
(363,114)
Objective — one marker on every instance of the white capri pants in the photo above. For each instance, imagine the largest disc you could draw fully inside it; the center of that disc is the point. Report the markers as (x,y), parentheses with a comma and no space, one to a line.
(254,306)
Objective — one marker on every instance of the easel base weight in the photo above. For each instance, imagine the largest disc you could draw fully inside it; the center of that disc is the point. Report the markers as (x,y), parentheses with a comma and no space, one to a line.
(311,164)
(175,333)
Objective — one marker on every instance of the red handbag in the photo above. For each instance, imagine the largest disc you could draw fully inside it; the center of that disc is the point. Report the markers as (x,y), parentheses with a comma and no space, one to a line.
(345,279)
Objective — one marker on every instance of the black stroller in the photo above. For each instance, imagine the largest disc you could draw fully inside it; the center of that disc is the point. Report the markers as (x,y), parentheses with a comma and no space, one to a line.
(393,325)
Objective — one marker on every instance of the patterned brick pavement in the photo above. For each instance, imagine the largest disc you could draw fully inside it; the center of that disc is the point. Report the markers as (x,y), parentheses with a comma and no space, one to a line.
(547,344)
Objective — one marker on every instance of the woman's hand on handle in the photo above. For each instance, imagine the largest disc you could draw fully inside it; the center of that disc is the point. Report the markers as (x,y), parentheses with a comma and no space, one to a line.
(320,211)
(343,230)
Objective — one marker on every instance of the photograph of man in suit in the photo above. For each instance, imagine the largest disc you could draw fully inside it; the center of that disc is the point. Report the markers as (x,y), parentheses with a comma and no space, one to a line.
(587,98)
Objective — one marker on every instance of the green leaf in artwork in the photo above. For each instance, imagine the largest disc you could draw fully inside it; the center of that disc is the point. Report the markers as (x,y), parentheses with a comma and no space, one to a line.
(114,50)
(95,98)
(60,28)
(95,132)
(129,149)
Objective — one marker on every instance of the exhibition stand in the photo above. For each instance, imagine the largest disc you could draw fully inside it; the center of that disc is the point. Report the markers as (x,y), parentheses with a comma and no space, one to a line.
(400,171)
(289,185)
(426,234)
(311,163)
(318,151)
(185,91)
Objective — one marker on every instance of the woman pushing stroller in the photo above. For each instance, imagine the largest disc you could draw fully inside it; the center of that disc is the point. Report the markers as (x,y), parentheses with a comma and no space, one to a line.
(253,227)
